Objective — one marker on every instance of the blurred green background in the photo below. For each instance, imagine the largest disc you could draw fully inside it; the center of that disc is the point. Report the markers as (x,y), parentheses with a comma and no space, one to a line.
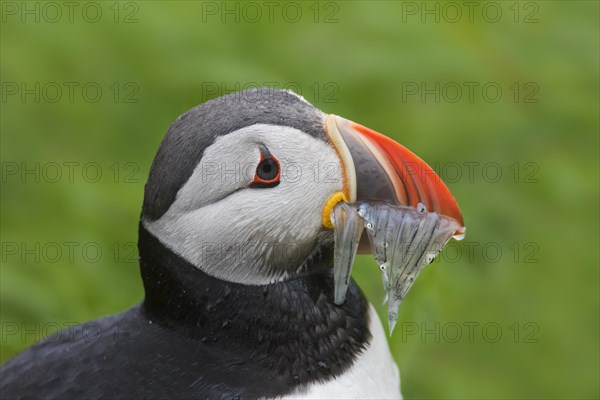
(512,312)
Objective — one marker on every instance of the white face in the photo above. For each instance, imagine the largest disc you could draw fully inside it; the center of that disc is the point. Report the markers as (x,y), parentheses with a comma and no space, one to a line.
(250,235)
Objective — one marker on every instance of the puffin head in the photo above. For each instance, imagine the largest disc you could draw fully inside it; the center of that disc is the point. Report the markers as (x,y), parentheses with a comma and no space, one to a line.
(242,186)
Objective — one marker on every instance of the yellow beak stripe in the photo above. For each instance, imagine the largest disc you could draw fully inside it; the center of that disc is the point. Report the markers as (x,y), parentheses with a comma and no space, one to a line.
(328,208)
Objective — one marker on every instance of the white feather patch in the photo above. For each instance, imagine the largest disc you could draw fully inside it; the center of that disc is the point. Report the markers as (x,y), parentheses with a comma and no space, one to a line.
(234,232)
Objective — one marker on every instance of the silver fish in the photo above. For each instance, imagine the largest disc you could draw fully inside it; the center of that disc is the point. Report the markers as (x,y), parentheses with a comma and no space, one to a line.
(403,240)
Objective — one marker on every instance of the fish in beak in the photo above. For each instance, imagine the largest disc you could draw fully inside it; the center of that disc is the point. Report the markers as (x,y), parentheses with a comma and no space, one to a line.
(407,210)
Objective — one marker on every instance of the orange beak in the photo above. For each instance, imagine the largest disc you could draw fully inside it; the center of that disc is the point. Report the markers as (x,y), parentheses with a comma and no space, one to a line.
(378,169)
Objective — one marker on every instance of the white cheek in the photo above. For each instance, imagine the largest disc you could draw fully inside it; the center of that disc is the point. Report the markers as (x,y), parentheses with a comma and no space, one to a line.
(231,231)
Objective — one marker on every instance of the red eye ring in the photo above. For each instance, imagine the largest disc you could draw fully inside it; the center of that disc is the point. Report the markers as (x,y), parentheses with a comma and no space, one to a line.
(268,171)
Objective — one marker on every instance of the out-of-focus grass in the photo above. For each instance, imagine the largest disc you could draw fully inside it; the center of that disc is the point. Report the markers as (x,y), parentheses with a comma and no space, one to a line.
(547,309)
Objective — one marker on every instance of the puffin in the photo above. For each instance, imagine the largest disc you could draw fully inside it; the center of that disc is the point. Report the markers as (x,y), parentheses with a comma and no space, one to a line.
(236,253)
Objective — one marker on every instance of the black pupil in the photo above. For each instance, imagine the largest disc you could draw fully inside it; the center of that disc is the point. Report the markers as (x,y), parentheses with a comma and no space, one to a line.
(267,169)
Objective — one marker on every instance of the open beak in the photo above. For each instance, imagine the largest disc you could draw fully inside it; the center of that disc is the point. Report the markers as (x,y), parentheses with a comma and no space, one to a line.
(378,169)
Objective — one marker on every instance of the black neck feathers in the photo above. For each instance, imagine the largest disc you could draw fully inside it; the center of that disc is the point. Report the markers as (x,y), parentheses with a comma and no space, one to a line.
(292,330)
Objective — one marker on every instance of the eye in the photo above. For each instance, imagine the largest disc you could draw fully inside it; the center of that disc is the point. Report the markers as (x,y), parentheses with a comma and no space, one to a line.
(267,172)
